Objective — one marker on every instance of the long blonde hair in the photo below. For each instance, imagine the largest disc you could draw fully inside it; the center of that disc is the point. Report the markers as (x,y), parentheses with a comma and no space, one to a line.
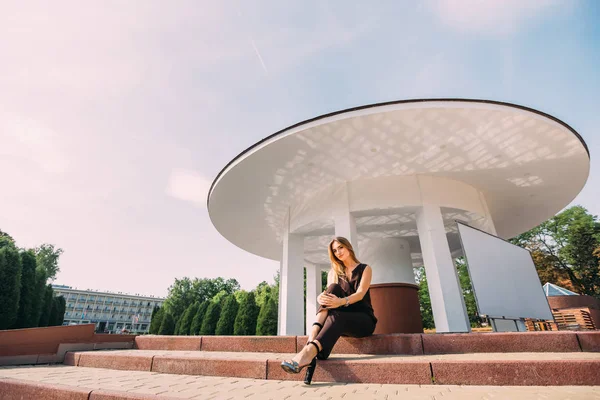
(337,265)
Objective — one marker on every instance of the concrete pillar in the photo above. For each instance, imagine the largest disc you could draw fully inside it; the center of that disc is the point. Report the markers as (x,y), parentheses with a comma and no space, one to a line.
(389,258)
(313,289)
(291,290)
(447,302)
(345,226)
(488,225)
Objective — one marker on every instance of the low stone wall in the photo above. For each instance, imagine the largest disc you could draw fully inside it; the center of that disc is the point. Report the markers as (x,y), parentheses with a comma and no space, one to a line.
(49,344)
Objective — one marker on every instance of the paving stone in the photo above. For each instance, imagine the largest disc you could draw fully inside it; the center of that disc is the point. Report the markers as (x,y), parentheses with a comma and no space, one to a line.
(146,385)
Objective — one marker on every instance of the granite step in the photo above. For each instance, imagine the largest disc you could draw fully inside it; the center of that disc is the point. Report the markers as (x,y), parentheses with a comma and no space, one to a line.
(406,344)
(73,383)
(520,369)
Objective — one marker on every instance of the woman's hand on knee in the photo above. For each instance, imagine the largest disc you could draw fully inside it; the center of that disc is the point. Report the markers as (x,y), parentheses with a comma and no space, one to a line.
(330,300)
(321,298)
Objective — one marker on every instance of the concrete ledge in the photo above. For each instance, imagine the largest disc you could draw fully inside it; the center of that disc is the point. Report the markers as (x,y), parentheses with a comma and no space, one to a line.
(72,359)
(269,344)
(19,360)
(589,341)
(508,342)
(359,371)
(42,340)
(59,355)
(409,344)
(518,373)
(110,338)
(210,367)
(113,345)
(156,342)
(15,389)
(113,360)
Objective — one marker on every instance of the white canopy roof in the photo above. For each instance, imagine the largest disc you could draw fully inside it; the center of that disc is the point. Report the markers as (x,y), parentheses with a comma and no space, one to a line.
(529,165)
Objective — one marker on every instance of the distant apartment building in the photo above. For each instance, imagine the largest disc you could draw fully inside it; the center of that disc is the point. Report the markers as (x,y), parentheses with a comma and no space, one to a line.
(111,312)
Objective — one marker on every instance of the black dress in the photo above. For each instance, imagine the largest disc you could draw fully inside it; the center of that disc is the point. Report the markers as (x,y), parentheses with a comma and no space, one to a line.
(356,320)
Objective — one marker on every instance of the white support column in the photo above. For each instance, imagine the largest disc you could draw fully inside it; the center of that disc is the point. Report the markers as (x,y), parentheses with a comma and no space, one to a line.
(488,224)
(447,302)
(291,280)
(313,289)
(345,226)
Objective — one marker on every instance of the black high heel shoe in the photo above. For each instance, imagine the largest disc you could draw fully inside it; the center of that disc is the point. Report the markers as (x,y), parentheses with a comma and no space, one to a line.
(293,367)
(310,371)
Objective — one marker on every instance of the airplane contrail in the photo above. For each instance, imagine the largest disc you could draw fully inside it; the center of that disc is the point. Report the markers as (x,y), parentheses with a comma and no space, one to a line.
(259,56)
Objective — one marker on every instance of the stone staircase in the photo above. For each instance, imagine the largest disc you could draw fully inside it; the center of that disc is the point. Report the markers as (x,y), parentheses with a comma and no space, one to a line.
(532,358)
(493,359)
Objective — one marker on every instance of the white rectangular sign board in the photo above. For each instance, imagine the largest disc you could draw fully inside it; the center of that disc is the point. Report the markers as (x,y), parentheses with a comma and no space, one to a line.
(504,278)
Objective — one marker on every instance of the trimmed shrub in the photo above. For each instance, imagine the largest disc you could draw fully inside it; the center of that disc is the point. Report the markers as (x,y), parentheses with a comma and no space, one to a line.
(156,321)
(167,327)
(198,318)
(177,327)
(26,297)
(62,306)
(187,318)
(10,286)
(46,306)
(38,295)
(267,318)
(227,317)
(245,320)
(209,323)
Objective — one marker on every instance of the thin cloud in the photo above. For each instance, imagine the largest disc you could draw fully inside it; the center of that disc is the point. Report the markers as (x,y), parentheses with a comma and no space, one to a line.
(188,186)
(492,17)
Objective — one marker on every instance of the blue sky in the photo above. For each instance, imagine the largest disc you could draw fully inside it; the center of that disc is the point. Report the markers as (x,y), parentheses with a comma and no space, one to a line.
(116,117)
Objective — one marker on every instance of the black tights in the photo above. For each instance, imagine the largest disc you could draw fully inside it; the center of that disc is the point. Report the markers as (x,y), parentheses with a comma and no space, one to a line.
(340,322)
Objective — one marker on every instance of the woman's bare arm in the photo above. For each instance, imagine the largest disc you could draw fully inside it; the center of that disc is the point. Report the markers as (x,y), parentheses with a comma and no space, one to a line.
(365,283)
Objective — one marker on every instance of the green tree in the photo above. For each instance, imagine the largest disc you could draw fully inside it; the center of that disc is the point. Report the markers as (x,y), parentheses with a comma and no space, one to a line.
(60,316)
(209,323)
(167,326)
(220,297)
(262,293)
(467,290)
(47,306)
(53,312)
(187,318)
(198,318)
(567,244)
(47,258)
(227,317)
(184,292)
(177,328)
(468,293)
(156,321)
(26,298)
(6,240)
(10,285)
(424,299)
(245,320)
(154,311)
(239,295)
(38,297)
(267,319)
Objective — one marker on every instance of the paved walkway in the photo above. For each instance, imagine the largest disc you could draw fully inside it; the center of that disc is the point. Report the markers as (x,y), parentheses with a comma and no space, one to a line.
(246,355)
(163,386)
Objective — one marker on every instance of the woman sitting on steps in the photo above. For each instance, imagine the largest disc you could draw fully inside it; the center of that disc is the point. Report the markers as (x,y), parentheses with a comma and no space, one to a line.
(345,309)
